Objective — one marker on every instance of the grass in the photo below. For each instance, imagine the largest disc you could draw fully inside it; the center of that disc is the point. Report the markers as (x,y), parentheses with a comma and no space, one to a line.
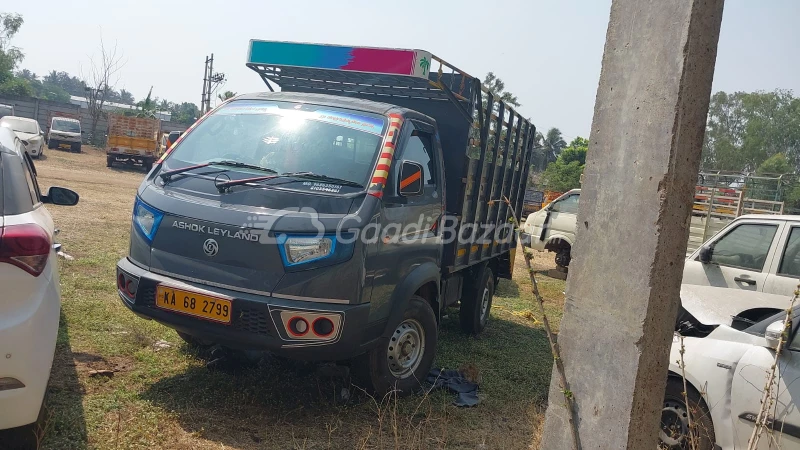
(167,397)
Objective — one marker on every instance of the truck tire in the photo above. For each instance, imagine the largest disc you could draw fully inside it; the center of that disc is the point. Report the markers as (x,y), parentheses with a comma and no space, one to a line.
(673,430)
(148,165)
(476,302)
(563,256)
(109,161)
(402,362)
(52,144)
(76,148)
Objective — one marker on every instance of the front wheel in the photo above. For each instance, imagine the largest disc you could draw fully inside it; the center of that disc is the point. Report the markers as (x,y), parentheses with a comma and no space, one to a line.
(674,431)
(563,257)
(402,362)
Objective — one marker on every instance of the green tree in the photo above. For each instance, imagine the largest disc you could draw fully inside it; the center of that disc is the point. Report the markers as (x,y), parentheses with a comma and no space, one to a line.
(185,113)
(226,95)
(565,172)
(745,129)
(776,164)
(10,56)
(126,97)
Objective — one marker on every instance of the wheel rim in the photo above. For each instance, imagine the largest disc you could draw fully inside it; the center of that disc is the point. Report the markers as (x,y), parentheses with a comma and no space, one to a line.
(406,348)
(485,304)
(674,425)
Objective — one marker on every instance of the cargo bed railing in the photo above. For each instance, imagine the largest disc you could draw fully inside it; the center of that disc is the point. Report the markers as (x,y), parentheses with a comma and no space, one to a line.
(499,149)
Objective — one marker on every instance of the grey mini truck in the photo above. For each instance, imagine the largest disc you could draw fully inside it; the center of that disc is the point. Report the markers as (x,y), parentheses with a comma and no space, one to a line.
(336,219)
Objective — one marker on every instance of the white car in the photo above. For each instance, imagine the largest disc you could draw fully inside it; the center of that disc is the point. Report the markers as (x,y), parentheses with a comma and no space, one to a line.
(725,371)
(553,227)
(30,303)
(65,133)
(28,131)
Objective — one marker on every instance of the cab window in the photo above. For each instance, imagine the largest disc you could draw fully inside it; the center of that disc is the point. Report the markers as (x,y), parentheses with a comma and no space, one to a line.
(567,205)
(790,261)
(746,246)
(419,149)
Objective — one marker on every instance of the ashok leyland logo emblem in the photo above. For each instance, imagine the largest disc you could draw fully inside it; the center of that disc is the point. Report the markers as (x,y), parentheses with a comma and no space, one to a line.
(211,247)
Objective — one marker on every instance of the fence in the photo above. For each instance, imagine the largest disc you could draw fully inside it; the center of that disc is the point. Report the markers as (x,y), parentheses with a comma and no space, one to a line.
(44,110)
(720,198)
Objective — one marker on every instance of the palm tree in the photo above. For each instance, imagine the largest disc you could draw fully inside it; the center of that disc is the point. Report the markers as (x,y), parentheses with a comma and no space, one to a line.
(226,95)
(553,143)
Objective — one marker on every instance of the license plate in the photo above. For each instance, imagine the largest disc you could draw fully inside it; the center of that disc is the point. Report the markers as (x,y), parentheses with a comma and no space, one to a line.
(64,146)
(194,304)
(131,152)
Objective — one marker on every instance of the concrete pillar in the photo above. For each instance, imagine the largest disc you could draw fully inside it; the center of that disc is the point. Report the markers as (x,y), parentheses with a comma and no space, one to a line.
(633,223)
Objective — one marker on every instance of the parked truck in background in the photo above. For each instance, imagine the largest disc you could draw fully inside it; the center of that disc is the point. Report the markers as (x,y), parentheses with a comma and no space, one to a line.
(132,140)
(64,133)
(337,219)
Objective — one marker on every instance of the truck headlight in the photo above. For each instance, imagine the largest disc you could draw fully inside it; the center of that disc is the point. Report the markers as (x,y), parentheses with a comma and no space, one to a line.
(298,250)
(146,219)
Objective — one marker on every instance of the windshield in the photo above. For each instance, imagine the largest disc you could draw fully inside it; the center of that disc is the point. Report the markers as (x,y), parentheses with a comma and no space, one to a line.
(23,126)
(67,126)
(287,138)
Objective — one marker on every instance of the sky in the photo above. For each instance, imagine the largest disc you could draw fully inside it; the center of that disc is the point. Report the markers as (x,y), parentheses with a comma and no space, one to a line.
(548,53)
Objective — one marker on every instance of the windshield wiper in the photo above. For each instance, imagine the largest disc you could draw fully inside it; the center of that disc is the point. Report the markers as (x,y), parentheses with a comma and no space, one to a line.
(325,178)
(168,174)
(307,175)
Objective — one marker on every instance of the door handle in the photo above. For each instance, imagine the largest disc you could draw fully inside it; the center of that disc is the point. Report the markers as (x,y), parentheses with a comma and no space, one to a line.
(745,281)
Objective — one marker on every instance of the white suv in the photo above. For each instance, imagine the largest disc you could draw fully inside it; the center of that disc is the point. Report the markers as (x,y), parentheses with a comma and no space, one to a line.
(30,304)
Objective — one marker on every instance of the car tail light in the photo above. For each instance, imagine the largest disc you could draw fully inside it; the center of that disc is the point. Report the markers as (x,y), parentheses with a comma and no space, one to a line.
(26,246)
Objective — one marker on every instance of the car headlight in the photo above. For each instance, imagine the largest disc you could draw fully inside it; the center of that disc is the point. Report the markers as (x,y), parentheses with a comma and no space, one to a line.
(146,219)
(298,250)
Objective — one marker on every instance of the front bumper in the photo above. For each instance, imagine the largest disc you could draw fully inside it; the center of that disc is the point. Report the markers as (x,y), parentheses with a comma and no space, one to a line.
(256,322)
(27,344)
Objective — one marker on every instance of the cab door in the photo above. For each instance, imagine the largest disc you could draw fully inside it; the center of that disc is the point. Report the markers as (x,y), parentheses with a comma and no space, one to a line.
(408,225)
(742,257)
(785,274)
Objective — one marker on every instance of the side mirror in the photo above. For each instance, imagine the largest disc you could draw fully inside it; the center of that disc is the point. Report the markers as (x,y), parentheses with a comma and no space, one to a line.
(705,254)
(410,183)
(773,334)
(61,196)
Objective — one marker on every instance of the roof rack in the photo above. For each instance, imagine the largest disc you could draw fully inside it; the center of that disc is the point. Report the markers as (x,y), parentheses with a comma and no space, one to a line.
(358,70)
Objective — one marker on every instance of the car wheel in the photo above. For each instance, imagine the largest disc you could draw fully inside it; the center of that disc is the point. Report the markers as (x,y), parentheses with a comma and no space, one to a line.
(402,362)
(476,303)
(674,431)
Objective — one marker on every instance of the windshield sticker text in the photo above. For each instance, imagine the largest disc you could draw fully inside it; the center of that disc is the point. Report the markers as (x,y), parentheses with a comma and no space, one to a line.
(323,187)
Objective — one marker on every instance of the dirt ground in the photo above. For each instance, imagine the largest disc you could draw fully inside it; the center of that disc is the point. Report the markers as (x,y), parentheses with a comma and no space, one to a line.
(163,395)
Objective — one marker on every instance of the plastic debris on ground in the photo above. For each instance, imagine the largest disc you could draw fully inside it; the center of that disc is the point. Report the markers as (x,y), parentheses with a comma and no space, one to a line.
(455,382)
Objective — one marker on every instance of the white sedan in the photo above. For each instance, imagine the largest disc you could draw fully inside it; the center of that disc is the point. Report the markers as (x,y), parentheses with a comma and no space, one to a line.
(28,131)
(30,303)
(726,372)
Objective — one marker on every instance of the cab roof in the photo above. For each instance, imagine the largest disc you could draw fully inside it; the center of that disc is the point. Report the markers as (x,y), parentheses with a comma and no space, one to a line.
(328,100)
(67,119)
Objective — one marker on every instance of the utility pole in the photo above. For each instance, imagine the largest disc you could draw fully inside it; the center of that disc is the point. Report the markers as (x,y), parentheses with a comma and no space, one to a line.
(210,82)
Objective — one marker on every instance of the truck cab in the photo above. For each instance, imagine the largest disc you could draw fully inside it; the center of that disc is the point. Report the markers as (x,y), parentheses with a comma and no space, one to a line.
(316,226)
(553,227)
(65,133)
